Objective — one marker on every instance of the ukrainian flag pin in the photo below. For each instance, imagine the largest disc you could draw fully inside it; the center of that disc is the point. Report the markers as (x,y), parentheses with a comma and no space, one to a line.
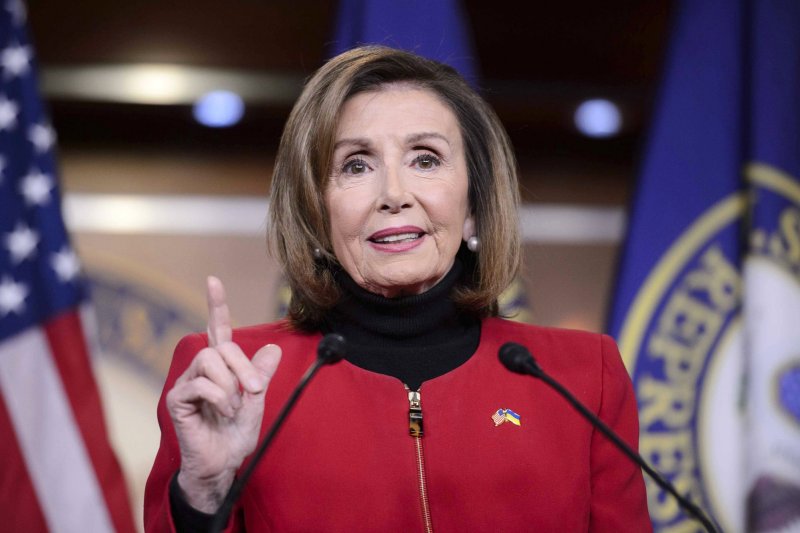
(506,415)
(513,417)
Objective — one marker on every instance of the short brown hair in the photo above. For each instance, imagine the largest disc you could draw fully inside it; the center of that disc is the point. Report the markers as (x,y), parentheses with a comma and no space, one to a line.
(299,219)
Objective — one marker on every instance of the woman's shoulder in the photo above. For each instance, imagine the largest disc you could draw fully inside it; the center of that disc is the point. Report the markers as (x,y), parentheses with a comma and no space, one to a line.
(557,348)
(585,362)
(539,334)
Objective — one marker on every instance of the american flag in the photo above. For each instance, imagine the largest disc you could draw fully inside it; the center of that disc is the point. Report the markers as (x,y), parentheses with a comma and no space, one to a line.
(499,417)
(57,469)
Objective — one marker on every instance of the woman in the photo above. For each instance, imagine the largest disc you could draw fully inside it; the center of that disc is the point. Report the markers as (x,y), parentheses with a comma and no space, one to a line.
(394,213)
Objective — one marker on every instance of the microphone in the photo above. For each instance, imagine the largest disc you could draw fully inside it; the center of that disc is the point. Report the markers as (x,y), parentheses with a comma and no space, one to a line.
(518,359)
(330,350)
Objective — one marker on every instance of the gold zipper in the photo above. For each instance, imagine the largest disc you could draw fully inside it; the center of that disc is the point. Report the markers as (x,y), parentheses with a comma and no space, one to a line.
(416,432)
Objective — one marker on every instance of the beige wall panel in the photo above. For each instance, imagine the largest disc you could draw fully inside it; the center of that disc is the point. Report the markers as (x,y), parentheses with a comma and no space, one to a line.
(569,285)
(179,265)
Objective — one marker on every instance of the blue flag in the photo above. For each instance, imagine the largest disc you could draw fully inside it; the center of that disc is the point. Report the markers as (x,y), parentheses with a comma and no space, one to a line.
(707,307)
(436,30)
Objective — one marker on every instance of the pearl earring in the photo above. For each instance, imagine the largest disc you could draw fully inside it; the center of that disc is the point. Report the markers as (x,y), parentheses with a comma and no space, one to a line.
(317,254)
(474,244)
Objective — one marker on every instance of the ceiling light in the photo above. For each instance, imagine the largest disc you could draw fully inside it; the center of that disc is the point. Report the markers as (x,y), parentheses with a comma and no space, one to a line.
(598,118)
(219,109)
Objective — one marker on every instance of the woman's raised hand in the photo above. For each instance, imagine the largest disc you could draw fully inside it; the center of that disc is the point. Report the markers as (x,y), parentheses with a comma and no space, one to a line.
(216,407)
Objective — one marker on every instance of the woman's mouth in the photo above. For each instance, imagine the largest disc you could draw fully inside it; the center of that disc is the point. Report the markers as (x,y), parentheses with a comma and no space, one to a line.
(397,239)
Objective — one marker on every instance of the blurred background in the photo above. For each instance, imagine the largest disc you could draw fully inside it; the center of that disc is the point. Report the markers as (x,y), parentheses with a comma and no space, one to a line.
(168,116)
(661,204)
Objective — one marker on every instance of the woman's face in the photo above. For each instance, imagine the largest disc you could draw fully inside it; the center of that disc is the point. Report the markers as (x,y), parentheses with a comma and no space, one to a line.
(397,194)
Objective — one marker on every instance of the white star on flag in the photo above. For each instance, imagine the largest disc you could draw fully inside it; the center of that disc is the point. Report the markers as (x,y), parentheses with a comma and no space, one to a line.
(17,10)
(16,60)
(12,296)
(35,187)
(42,136)
(21,242)
(8,113)
(66,264)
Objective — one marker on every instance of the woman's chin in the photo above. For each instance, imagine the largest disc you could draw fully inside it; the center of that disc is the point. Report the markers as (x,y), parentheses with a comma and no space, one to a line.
(398,286)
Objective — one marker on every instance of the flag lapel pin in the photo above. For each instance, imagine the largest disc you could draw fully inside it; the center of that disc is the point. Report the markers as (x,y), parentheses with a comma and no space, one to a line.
(502,416)
(512,417)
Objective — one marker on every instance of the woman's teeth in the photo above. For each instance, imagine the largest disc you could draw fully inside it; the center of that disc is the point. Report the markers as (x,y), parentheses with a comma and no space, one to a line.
(400,237)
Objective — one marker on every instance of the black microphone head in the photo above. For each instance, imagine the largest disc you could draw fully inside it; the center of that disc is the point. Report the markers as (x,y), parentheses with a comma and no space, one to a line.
(331,349)
(517,358)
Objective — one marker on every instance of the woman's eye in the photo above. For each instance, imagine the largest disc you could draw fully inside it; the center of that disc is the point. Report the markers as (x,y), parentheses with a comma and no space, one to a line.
(355,167)
(427,161)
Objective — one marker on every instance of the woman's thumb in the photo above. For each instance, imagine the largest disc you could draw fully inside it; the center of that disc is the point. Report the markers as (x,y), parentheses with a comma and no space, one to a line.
(266,362)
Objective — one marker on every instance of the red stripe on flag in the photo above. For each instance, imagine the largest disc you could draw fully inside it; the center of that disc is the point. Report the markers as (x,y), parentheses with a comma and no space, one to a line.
(19,505)
(69,349)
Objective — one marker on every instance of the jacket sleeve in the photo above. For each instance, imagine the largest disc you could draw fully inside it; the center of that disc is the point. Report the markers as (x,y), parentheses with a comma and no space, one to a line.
(158,511)
(619,500)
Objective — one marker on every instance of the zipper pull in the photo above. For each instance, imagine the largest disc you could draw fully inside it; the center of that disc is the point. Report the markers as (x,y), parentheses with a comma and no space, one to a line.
(414,413)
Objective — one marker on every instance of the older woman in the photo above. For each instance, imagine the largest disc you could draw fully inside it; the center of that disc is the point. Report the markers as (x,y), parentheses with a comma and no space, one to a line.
(394,214)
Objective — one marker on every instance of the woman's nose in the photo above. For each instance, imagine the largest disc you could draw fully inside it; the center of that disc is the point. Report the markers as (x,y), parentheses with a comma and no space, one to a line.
(395,195)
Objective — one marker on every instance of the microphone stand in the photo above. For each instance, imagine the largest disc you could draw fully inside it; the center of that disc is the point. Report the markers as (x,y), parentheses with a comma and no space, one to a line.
(518,359)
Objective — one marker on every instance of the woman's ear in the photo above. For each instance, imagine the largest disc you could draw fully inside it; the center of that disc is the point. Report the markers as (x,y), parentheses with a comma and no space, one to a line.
(469,228)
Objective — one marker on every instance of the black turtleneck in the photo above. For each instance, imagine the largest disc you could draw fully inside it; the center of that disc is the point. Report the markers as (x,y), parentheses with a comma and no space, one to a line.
(413,338)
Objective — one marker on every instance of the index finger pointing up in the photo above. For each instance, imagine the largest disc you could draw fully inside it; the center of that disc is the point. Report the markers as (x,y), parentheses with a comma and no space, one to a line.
(219,317)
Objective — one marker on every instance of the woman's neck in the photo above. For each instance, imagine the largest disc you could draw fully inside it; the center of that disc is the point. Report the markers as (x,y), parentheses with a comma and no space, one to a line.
(413,338)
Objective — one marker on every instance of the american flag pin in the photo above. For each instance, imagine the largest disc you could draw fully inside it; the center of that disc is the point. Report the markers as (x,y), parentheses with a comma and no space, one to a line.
(499,417)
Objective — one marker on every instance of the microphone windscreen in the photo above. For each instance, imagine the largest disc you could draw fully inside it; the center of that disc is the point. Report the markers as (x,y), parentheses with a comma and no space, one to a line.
(331,349)
(516,358)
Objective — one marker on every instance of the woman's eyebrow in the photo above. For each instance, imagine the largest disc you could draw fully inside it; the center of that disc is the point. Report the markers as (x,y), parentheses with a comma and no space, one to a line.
(412,138)
(418,137)
(356,141)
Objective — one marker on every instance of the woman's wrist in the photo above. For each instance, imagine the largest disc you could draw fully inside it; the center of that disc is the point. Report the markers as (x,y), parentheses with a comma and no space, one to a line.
(186,518)
(205,494)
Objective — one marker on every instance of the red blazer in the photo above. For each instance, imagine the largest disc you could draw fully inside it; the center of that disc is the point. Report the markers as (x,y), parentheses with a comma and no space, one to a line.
(344,460)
